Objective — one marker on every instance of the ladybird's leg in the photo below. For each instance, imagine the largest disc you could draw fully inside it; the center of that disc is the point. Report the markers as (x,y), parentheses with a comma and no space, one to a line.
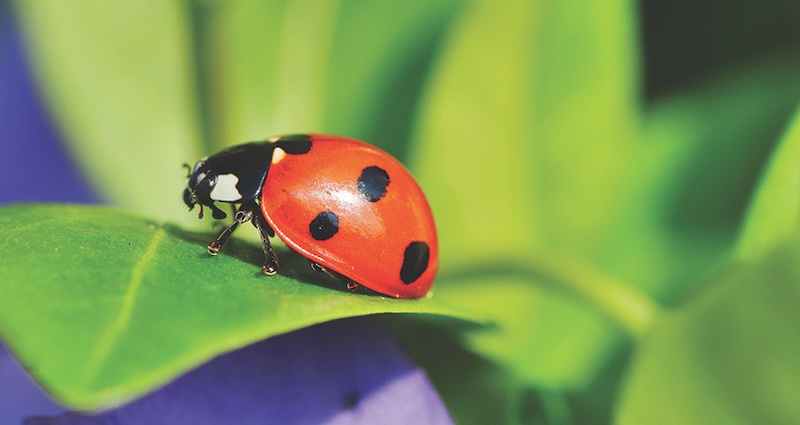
(318,268)
(270,266)
(350,283)
(241,216)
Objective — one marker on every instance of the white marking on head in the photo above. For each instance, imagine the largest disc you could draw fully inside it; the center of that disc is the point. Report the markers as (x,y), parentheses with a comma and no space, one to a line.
(277,155)
(225,188)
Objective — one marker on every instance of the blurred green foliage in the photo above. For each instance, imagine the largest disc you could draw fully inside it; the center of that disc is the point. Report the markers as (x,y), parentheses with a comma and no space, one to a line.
(586,181)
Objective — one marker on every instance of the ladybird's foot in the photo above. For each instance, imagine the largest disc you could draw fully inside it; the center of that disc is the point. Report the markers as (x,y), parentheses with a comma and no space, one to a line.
(214,247)
(351,285)
(270,268)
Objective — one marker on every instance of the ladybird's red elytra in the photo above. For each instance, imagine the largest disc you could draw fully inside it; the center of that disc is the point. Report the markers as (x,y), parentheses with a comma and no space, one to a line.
(350,208)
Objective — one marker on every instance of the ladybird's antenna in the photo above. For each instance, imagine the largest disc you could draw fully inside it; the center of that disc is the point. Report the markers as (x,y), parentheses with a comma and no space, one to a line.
(188,169)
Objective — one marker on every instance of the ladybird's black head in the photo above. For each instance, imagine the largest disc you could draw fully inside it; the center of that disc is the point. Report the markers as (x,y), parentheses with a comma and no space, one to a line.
(199,189)
(234,175)
(189,198)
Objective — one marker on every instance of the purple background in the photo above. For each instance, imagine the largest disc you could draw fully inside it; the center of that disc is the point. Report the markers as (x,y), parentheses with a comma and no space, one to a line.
(34,165)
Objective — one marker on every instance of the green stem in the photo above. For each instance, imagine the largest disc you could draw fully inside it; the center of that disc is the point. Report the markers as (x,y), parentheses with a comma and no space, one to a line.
(202,15)
(631,309)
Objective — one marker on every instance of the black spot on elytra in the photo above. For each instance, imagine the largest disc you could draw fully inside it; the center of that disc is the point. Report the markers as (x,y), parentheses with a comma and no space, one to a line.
(372,183)
(324,226)
(415,262)
(294,144)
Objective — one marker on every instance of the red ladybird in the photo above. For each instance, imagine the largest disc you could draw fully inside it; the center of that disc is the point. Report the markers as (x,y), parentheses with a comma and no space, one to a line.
(350,208)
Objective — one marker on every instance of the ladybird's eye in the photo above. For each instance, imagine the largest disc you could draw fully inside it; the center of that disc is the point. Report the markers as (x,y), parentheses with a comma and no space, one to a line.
(195,175)
(198,177)
(196,171)
(195,179)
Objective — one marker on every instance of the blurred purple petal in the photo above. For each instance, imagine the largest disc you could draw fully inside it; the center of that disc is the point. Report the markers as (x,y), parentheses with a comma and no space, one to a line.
(34,166)
(19,395)
(344,372)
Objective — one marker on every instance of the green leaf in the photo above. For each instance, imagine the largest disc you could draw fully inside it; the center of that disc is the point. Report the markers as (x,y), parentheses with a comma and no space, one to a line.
(118,79)
(524,302)
(728,356)
(775,212)
(353,68)
(500,142)
(388,69)
(102,306)
(522,339)
(267,65)
(524,137)
(703,149)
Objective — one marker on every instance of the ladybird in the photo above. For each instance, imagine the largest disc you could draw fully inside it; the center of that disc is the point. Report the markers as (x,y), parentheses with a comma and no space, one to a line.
(350,208)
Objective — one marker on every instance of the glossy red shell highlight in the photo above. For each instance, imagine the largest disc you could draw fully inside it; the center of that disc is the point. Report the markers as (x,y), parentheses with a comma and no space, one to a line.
(372,237)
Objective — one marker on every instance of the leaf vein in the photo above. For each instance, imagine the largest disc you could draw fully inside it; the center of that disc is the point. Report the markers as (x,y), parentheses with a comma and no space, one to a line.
(108,338)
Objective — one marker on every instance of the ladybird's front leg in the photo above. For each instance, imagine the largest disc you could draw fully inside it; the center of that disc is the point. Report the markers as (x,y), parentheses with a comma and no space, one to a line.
(241,216)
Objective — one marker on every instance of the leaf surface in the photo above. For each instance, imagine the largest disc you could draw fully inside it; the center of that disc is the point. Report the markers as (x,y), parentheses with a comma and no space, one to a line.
(775,212)
(727,356)
(102,306)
